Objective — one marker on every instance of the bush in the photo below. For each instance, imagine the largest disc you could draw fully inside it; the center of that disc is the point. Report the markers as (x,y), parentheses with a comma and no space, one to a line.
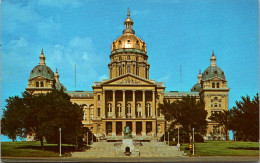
(199,138)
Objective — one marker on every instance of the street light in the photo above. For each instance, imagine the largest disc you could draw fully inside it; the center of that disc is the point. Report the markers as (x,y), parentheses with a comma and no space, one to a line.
(60,141)
(193,142)
(178,145)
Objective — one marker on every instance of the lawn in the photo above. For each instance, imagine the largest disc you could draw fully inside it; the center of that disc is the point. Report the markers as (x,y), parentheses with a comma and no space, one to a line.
(33,149)
(224,148)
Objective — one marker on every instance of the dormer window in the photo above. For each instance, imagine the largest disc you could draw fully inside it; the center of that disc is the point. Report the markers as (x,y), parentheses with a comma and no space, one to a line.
(216,72)
(207,73)
(39,70)
(217,84)
(137,42)
(119,42)
(128,41)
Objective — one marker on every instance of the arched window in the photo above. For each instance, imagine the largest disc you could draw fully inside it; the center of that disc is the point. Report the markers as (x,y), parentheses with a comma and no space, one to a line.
(139,110)
(119,42)
(98,97)
(91,108)
(137,42)
(217,84)
(42,84)
(37,84)
(158,112)
(109,109)
(99,112)
(119,109)
(148,110)
(213,85)
(120,70)
(85,116)
(128,69)
(129,107)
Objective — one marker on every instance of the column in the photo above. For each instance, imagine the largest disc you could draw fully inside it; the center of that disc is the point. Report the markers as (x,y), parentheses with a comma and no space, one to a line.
(103,110)
(143,112)
(134,128)
(154,128)
(154,105)
(123,107)
(143,128)
(134,110)
(123,126)
(113,128)
(114,105)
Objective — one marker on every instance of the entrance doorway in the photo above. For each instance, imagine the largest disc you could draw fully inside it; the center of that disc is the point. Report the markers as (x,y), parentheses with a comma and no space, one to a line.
(148,127)
(109,128)
(138,128)
(129,124)
(118,128)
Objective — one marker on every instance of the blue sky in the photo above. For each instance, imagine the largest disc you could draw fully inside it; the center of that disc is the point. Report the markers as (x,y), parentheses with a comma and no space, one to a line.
(177,32)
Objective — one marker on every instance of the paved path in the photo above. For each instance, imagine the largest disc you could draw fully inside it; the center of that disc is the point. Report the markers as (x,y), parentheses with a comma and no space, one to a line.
(216,159)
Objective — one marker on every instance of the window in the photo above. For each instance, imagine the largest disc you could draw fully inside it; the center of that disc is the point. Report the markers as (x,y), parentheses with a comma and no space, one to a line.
(42,84)
(136,58)
(148,110)
(217,84)
(139,110)
(128,57)
(128,41)
(213,85)
(119,42)
(37,84)
(137,71)
(120,58)
(207,73)
(216,72)
(85,116)
(128,69)
(137,42)
(98,128)
(215,105)
(91,112)
(99,112)
(109,109)
(211,105)
(129,108)
(158,112)
(98,97)
(215,98)
(219,105)
(119,109)
(120,70)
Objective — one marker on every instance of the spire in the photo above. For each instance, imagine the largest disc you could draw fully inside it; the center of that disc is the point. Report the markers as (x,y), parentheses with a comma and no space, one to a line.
(213,59)
(42,58)
(56,76)
(199,76)
(128,24)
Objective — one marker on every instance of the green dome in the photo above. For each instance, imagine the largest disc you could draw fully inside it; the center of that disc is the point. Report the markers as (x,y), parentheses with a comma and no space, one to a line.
(213,71)
(58,86)
(196,88)
(42,71)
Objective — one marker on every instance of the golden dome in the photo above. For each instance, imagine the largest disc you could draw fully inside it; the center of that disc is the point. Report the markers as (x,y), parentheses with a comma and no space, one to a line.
(128,40)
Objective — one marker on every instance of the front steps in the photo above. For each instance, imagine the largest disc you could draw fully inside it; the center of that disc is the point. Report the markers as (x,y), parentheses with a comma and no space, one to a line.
(149,149)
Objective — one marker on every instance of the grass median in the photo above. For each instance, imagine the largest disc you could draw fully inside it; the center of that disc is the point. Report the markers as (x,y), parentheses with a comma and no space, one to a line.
(224,148)
(33,149)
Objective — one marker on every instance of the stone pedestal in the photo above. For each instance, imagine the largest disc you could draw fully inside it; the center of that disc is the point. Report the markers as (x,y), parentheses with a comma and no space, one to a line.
(128,143)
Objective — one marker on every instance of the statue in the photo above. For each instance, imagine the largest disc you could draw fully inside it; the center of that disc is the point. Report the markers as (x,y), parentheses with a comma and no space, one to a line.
(127,132)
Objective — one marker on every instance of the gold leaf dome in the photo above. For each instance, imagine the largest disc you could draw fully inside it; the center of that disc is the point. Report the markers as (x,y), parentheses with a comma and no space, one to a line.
(128,40)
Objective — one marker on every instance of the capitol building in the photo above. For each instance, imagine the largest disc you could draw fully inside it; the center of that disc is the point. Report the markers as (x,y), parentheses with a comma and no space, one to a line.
(129,97)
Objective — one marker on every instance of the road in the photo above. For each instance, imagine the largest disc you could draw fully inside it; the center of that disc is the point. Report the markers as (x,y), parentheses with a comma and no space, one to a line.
(217,159)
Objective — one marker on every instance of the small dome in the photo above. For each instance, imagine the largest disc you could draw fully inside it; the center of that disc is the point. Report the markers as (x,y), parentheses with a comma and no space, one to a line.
(58,86)
(42,71)
(213,71)
(196,87)
(129,41)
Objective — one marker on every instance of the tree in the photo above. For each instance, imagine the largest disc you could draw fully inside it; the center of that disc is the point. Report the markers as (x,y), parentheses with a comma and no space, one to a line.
(43,115)
(189,112)
(245,118)
(223,120)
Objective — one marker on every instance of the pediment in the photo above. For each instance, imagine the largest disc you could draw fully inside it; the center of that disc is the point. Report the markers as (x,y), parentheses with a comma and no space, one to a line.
(128,79)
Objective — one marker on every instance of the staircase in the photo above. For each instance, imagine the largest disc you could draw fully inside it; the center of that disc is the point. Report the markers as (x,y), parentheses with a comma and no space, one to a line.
(149,149)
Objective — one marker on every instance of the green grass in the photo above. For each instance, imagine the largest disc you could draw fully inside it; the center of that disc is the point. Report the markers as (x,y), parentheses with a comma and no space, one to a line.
(33,149)
(224,148)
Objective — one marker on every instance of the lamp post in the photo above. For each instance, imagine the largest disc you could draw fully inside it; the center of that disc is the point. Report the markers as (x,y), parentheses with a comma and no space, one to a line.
(168,138)
(164,137)
(193,142)
(178,145)
(60,141)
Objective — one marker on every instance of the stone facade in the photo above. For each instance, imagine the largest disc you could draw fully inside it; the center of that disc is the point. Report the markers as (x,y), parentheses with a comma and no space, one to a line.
(130,98)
